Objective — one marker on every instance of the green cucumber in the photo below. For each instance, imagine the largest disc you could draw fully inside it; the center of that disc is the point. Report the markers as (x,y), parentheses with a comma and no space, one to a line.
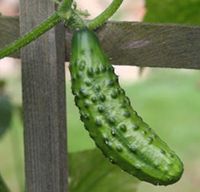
(113,124)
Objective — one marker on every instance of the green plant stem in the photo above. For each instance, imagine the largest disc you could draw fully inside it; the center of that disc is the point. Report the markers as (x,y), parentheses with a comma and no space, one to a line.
(64,13)
(50,22)
(65,6)
(30,36)
(105,15)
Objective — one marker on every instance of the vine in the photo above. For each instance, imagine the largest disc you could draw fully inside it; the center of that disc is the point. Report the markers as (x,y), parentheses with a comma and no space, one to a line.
(105,15)
(30,36)
(46,25)
(69,15)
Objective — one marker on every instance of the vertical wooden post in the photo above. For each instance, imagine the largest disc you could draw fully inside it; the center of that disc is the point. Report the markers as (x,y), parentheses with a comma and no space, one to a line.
(44,104)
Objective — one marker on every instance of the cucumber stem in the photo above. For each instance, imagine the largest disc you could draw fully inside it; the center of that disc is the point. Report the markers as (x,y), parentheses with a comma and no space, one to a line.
(105,15)
(64,13)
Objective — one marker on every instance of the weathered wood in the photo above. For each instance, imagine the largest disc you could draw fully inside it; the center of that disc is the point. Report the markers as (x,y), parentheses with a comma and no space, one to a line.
(9,31)
(152,45)
(44,102)
(140,44)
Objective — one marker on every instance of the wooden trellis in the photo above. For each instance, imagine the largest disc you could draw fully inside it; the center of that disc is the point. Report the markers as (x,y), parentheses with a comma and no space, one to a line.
(43,79)
(138,44)
(43,83)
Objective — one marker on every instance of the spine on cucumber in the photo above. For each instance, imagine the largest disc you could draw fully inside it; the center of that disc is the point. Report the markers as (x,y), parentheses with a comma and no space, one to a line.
(113,124)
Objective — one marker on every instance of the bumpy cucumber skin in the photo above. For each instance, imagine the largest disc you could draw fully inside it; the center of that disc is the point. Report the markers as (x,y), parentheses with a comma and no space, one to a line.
(113,124)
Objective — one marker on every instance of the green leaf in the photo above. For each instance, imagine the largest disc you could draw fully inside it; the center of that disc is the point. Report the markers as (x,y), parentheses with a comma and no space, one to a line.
(3,187)
(5,114)
(170,11)
(91,171)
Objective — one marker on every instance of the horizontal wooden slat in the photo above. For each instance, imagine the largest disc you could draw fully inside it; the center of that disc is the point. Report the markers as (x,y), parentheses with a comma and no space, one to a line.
(139,44)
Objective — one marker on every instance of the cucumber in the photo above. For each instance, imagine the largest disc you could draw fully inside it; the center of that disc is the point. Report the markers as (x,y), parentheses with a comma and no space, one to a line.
(113,124)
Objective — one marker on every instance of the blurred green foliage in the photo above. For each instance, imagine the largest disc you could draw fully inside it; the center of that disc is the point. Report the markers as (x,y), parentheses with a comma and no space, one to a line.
(5,114)
(3,187)
(90,171)
(173,11)
(168,100)
(6,109)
